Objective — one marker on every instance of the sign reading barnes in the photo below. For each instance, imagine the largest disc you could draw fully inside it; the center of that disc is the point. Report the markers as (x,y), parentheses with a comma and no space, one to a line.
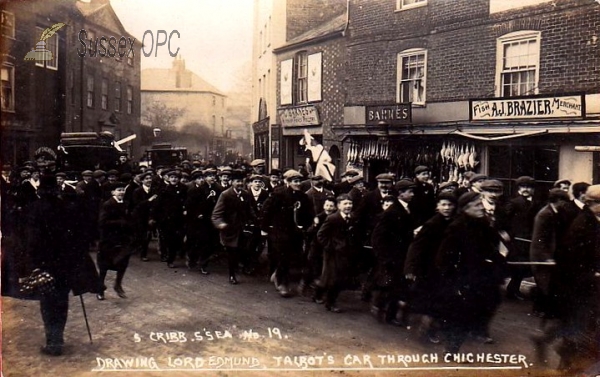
(299,116)
(572,106)
(392,114)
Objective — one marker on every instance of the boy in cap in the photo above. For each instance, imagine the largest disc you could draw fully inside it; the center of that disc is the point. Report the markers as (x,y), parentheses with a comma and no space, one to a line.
(423,203)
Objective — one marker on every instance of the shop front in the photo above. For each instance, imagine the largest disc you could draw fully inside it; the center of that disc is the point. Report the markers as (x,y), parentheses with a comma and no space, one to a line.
(546,137)
(294,122)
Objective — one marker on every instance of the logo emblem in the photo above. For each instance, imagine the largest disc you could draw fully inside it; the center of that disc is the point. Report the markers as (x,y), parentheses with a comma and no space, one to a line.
(40,53)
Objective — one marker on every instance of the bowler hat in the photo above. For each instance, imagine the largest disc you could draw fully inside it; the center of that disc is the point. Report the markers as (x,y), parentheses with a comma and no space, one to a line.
(210,171)
(525,181)
(317,178)
(237,174)
(275,172)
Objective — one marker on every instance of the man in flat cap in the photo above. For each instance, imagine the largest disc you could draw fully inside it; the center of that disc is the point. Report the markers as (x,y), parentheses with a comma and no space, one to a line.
(224,175)
(520,212)
(287,214)
(391,238)
(169,214)
(344,186)
(471,273)
(274,180)
(89,192)
(368,215)
(563,184)
(205,238)
(358,190)
(65,190)
(317,193)
(233,214)
(423,203)
(143,200)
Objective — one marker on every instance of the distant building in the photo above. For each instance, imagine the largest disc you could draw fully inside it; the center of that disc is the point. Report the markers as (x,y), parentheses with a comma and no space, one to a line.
(179,87)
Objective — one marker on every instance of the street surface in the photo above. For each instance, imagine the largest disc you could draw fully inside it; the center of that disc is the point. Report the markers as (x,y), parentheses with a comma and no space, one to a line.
(177,322)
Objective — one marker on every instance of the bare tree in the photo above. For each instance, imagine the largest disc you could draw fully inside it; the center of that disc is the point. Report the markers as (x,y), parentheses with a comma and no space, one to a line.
(162,116)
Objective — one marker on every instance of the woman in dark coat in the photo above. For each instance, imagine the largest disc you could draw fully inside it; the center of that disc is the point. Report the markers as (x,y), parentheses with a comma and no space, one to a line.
(115,238)
(52,246)
(471,271)
(339,237)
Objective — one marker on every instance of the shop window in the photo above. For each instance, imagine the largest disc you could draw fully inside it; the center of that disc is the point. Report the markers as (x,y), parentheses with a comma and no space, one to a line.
(117,96)
(129,99)
(408,4)
(517,66)
(8,24)
(507,163)
(301,77)
(90,91)
(104,94)
(412,78)
(52,46)
(8,85)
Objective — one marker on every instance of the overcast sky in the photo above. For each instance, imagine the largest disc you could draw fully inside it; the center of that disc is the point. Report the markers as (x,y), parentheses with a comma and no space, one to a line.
(215,35)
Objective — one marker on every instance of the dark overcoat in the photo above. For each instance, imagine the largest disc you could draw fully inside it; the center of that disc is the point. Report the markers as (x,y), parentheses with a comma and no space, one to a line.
(235,210)
(471,269)
(52,245)
(520,215)
(420,262)
(318,198)
(391,238)
(116,235)
(341,241)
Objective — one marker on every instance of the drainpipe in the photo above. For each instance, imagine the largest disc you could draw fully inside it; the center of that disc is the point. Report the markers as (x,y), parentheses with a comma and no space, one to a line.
(347,18)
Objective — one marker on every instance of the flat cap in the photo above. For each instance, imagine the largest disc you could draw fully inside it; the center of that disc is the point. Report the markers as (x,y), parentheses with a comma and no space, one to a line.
(356,179)
(227,170)
(317,178)
(467,198)
(209,171)
(99,173)
(421,169)
(257,162)
(384,177)
(143,175)
(446,196)
(61,174)
(404,184)
(117,184)
(493,185)
(125,177)
(197,173)
(593,193)
(172,172)
(350,173)
(478,177)
(525,181)
(292,174)
(444,185)
(561,181)
(112,172)
(256,177)
(87,173)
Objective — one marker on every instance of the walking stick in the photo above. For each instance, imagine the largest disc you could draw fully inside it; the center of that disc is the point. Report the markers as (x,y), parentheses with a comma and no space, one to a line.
(87,325)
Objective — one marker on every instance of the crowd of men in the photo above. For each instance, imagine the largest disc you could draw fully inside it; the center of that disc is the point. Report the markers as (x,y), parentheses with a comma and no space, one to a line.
(439,252)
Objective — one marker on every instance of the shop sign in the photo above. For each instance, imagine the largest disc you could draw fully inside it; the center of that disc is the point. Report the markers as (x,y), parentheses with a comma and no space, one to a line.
(299,116)
(396,114)
(261,126)
(572,106)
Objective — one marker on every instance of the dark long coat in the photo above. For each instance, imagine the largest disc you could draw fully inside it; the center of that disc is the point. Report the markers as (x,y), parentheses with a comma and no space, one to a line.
(341,242)
(318,198)
(520,215)
(391,238)
(471,269)
(52,245)
(547,230)
(422,206)
(278,219)
(142,208)
(420,262)
(235,210)
(116,232)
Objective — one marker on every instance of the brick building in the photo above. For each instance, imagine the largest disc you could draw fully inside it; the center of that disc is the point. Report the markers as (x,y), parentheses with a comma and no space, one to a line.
(70,93)
(516,83)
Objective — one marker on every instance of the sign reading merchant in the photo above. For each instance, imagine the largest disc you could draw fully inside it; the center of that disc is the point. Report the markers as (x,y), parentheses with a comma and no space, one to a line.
(299,116)
(572,106)
(396,114)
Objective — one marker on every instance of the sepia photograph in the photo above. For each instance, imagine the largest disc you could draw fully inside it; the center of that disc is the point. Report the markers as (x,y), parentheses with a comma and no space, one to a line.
(300,188)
